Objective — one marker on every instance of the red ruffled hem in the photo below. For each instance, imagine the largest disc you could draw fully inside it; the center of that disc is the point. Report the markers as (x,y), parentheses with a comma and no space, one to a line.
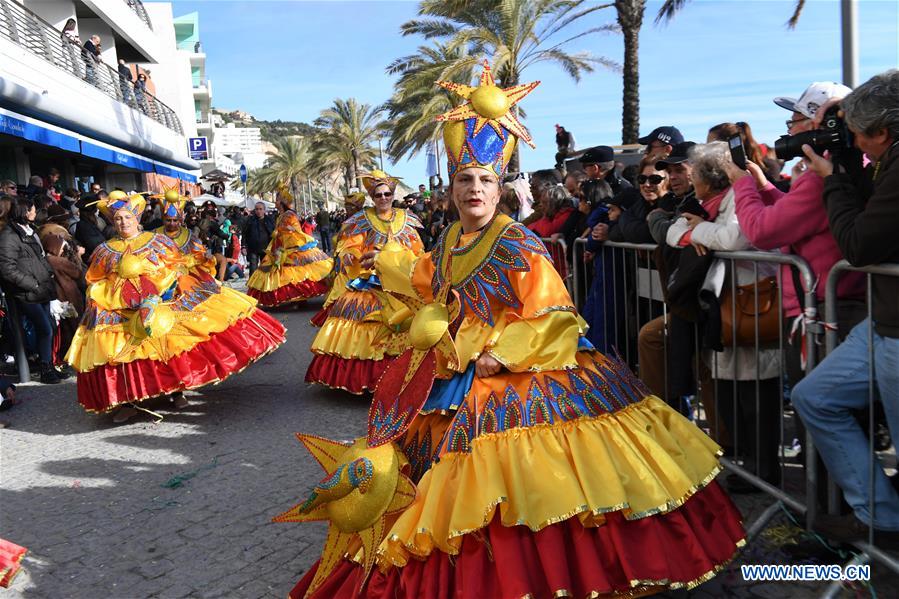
(294,292)
(355,375)
(678,549)
(214,360)
(10,560)
(321,316)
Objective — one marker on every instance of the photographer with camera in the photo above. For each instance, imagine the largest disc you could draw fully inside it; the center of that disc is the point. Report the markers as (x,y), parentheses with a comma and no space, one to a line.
(863,210)
(796,222)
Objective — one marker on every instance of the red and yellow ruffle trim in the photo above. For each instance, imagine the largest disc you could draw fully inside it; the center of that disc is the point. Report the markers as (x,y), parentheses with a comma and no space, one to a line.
(223,354)
(277,278)
(640,461)
(291,293)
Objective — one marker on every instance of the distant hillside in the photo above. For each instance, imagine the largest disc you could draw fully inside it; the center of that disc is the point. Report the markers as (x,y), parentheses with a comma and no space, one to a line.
(270,130)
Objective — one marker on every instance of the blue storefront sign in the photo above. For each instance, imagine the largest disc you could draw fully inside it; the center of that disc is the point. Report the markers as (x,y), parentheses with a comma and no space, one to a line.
(10,125)
(113,156)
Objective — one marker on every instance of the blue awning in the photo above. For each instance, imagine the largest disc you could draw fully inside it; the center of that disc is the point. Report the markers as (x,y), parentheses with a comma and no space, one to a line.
(43,134)
(116,156)
(170,171)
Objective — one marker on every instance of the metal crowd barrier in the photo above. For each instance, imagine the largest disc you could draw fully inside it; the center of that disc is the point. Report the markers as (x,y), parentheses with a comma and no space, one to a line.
(869,549)
(29,31)
(622,279)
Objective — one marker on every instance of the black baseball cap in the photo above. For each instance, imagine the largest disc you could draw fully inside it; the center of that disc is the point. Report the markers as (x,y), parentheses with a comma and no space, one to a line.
(597,154)
(669,135)
(678,155)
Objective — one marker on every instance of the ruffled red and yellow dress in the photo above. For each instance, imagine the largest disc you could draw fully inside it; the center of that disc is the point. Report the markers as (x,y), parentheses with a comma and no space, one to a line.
(157,323)
(560,476)
(293,269)
(357,329)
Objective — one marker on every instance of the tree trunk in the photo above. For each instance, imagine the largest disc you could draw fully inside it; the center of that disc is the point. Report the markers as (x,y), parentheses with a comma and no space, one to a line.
(630,18)
(357,180)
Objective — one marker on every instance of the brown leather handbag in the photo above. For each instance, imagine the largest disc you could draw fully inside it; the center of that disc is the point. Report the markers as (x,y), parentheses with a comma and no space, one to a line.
(767,313)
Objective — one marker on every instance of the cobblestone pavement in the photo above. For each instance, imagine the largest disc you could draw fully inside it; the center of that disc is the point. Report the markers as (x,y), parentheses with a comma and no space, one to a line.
(183,507)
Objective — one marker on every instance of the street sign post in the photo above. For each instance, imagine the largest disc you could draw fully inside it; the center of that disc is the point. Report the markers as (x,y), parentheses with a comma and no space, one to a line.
(243,179)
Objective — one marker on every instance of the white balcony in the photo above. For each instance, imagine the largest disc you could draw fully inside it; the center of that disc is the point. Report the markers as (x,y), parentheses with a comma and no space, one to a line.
(48,79)
(129,22)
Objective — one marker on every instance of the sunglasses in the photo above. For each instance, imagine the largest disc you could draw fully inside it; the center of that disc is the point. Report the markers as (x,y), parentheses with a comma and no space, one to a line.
(386,194)
(651,179)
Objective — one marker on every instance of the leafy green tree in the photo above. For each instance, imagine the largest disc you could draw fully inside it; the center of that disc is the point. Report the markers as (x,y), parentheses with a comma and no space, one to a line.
(348,137)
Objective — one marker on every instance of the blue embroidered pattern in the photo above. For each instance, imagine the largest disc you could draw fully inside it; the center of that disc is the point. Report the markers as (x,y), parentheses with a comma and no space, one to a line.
(354,308)
(419,451)
(490,281)
(557,396)
(359,224)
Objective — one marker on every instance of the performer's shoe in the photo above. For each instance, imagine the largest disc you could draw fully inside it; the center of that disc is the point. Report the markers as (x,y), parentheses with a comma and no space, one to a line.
(179,400)
(124,414)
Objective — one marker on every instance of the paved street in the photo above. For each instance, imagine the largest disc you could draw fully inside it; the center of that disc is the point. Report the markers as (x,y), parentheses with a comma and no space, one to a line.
(183,507)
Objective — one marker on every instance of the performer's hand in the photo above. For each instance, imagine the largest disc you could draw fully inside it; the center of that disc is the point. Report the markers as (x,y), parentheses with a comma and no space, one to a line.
(368,259)
(486,366)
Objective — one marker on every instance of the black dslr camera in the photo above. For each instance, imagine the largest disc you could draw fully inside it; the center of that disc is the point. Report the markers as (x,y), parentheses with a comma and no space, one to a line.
(833,136)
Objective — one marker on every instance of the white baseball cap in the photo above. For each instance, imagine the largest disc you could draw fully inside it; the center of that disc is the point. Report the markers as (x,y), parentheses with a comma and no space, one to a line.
(813,97)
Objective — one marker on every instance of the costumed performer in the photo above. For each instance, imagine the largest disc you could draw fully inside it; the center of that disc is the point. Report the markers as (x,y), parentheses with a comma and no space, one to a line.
(154,327)
(362,327)
(294,268)
(196,256)
(533,466)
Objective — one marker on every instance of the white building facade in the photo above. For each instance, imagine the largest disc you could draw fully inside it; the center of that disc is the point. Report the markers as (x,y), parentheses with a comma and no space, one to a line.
(61,109)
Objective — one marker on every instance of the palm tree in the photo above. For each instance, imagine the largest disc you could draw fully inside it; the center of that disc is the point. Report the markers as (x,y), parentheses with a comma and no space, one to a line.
(417,101)
(514,34)
(630,20)
(290,163)
(350,132)
(671,7)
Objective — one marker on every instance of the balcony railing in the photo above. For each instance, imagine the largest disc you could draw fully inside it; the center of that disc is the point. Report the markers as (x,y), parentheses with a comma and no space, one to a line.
(138,7)
(26,29)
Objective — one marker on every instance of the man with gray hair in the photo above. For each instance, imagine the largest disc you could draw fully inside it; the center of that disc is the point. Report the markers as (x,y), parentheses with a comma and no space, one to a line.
(257,232)
(863,210)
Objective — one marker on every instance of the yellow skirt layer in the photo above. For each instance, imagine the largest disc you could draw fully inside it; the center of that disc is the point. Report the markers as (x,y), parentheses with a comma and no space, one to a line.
(276,278)
(108,344)
(352,339)
(643,460)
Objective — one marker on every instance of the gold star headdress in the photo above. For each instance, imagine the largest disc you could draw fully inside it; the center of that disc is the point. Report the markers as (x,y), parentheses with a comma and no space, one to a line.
(483,131)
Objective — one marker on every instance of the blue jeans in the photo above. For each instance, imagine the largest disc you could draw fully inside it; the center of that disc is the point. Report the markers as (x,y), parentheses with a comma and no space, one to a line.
(825,399)
(44,327)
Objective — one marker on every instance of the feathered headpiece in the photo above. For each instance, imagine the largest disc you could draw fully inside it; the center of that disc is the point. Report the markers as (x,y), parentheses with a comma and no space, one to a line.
(118,200)
(355,199)
(378,177)
(484,130)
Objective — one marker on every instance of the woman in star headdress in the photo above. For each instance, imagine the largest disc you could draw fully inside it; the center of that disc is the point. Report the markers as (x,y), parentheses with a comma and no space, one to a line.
(196,256)
(361,326)
(294,269)
(154,325)
(543,468)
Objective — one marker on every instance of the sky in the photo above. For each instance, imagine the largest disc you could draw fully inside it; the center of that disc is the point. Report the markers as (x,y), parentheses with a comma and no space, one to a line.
(717,61)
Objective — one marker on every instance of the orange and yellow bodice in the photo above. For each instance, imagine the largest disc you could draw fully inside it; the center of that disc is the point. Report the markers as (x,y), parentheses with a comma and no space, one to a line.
(514,305)
(195,254)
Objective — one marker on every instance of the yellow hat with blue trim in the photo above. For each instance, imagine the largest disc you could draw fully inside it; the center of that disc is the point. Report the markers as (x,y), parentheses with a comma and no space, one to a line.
(119,200)
(484,131)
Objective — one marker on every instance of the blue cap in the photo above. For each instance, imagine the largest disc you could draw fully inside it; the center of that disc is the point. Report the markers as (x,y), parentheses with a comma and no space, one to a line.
(668,135)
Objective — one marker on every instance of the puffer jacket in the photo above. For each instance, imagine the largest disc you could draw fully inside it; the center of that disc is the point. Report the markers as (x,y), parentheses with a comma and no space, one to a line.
(26,274)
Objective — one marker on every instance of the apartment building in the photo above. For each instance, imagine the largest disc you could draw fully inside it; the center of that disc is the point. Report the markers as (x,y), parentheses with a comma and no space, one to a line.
(60,109)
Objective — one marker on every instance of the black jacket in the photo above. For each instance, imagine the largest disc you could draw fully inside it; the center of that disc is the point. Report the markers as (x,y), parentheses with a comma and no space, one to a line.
(864,219)
(257,232)
(26,274)
(632,226)
(88,234)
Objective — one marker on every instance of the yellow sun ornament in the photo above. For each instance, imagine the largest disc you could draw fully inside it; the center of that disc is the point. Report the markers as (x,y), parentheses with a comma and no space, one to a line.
(363,485)
(488,106)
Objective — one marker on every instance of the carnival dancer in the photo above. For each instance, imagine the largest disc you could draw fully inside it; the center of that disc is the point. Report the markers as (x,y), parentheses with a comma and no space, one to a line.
(294,268)
(362,326)
(533,466)
(152,325)
(195,254)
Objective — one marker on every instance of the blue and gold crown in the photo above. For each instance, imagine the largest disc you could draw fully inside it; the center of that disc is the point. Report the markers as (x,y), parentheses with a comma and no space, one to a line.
(118,200)
(173,202)
(483,131)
